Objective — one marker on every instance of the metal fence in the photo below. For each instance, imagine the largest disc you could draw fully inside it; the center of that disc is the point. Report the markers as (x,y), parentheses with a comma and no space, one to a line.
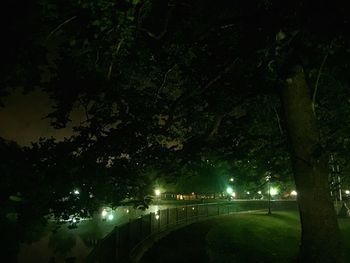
(126,241)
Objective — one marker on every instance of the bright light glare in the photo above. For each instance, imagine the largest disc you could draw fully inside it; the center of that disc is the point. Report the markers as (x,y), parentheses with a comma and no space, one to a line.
(231,179)
(157,192)
(259,192)
(347,192)
(110,217)
(294,193)
(127,211)
(273,191)
(104,213)
(76,192)
(233,194)
(229,190)
(248,193)
(157,217)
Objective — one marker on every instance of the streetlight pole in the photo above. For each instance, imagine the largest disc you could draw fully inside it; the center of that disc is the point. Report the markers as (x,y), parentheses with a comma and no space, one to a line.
(269,193)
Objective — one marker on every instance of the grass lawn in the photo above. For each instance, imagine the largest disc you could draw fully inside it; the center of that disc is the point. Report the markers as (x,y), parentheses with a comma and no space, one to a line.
(253,237)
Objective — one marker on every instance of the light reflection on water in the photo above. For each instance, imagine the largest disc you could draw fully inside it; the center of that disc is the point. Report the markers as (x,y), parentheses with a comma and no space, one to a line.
(78,242)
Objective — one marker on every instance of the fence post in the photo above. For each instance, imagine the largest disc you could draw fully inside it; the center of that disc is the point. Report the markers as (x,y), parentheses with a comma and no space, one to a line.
(167,217)
(130,237)
(117,242)
(150,223)
(141,226)
(158,213)
(177,215)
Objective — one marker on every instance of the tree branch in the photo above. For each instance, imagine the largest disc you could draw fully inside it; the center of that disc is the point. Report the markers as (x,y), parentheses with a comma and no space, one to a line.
(317,81)
(198,91)
(278,121)
(60,26)
(216,125)
(163,83)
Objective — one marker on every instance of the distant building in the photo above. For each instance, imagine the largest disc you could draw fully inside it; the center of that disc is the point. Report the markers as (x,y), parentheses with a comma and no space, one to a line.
(190,196)
(168,196)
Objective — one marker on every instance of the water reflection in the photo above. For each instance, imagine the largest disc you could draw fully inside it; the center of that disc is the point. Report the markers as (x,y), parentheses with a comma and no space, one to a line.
(73,245)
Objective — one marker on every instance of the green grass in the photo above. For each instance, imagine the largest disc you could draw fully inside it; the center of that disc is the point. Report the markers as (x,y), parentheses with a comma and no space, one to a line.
(344,225)
(254,237)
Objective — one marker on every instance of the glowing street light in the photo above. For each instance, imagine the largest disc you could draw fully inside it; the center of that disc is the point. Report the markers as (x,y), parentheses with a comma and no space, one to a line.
(232,179)
(273,191)
(104,213)
(293,193)
(76,191)
(259,192)
(110,217)
(157,192)
(229,190)
(347,192)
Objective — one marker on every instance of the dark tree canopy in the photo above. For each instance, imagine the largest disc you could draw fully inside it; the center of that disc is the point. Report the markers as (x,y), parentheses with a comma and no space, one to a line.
(168,86)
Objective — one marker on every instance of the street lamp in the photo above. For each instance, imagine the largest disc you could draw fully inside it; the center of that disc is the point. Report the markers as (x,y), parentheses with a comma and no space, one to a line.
(104,213)
(273,191)
(269,193)
(335,179)
(157,192)
(229,190)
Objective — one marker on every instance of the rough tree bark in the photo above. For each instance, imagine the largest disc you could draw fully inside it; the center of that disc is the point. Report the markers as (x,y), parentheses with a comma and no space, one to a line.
(320,241)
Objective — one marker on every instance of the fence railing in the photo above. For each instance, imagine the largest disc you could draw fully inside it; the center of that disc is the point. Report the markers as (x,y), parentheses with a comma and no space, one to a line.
(123,243)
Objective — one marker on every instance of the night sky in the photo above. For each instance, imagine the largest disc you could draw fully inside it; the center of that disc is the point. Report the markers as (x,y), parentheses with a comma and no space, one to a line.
(23,118)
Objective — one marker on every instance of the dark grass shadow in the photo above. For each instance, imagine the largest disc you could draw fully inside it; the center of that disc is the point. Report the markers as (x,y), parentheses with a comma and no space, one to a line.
(187,244)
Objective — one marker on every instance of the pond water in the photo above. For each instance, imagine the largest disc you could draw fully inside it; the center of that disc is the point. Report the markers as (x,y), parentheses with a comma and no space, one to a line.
(73,245)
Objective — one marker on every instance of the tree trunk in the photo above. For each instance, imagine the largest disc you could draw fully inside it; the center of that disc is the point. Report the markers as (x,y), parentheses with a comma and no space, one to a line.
(320,241)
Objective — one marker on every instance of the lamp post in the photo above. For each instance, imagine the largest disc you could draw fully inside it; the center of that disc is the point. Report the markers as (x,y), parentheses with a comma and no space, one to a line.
(335,179)
(158,195)
(269,193)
